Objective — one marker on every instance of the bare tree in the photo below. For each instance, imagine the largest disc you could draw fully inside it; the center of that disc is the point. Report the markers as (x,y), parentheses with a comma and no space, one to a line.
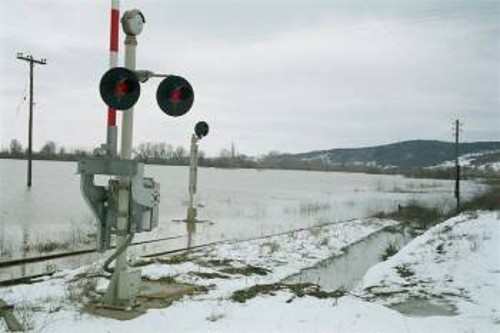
(16,148)
(49,149)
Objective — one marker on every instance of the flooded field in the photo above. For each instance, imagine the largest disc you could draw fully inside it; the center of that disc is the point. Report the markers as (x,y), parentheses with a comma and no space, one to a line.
(234,203)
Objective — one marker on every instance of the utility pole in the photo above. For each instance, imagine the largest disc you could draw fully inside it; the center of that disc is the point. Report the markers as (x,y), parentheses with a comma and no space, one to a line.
(32,62)
(457,164)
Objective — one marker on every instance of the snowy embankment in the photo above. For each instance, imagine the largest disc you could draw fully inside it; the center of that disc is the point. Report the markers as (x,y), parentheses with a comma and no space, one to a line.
(453,269)
(453,265)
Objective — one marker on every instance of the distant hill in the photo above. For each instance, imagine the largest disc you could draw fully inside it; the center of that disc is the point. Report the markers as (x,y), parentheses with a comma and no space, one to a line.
(416,153)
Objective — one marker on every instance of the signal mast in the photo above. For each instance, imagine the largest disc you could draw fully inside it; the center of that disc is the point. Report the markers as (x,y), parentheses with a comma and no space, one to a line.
(129,204)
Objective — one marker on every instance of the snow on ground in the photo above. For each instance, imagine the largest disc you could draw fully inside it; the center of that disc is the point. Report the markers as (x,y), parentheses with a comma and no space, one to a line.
(455,263)
(454,266)
(272,258)
(469,160)
(494,166)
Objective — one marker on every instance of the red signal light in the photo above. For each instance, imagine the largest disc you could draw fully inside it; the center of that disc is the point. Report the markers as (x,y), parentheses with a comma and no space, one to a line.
(176,96)
(122,88)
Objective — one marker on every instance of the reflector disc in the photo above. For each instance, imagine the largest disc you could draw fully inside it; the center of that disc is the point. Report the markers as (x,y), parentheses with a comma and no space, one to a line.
(201,129)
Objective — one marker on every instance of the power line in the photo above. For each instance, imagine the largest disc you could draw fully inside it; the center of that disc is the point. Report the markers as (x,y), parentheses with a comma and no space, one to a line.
(22,99)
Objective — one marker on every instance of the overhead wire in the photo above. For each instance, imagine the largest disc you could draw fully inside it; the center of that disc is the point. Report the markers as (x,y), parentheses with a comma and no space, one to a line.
(23,98)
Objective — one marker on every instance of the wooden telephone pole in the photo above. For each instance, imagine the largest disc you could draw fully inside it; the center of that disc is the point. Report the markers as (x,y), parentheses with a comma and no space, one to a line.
(31,62)
(457,164)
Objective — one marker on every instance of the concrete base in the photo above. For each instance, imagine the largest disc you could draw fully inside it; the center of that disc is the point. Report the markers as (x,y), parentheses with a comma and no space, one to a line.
(123,289)
(152,295)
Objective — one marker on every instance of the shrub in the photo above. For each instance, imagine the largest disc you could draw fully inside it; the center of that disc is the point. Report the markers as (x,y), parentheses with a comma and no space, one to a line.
(389,251)
(416,215)
(489,200)
(404,271)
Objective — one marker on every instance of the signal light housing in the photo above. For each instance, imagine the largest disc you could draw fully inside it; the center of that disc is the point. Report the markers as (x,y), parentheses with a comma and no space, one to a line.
(120,88)
(201,129)
(175,96)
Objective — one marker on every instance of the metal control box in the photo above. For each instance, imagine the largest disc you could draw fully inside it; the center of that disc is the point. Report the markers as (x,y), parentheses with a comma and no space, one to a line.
(103,200)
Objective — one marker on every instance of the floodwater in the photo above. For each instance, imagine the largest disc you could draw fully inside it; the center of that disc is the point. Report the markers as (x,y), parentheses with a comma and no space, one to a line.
(417,307)
(235,203)
(346,270)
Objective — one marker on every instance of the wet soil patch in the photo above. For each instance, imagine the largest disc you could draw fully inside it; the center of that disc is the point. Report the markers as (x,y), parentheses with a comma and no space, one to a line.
(205,275)
(298,289)
(174,260)
(153,294)
(245,270)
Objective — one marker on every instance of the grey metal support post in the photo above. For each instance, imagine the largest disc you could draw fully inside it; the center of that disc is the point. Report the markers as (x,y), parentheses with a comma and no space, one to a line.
(128,115)
(111,141)
(122,290)
(193,177)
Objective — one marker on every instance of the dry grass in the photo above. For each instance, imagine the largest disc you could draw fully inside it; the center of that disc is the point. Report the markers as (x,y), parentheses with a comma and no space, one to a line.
(82,289)
(490,200)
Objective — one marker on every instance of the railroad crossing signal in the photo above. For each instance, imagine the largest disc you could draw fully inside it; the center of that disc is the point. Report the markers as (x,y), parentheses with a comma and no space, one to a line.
(175,96)
(120,88)
(129,203)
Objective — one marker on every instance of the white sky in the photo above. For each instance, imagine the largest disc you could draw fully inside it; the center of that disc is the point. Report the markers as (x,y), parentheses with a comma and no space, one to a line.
(291,76)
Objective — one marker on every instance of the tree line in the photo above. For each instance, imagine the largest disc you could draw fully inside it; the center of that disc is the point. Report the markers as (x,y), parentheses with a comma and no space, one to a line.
(165,154)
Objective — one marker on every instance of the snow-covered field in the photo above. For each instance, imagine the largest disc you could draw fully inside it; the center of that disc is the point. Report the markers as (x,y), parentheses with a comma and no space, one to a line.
(453,269)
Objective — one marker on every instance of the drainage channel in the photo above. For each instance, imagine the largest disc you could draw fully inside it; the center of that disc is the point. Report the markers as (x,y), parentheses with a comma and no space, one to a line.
(346,270)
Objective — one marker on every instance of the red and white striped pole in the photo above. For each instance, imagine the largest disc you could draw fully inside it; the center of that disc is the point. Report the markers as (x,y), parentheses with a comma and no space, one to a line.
(112,131)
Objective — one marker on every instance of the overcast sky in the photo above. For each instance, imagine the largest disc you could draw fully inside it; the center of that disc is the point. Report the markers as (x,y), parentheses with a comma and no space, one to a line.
(291,76)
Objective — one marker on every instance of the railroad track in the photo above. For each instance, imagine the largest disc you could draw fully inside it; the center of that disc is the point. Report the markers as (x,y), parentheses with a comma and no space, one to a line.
(29,260)
(33,260)
(13,266)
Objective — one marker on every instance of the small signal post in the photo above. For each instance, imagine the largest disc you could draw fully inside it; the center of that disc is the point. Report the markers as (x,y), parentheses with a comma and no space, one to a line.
(200,131)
